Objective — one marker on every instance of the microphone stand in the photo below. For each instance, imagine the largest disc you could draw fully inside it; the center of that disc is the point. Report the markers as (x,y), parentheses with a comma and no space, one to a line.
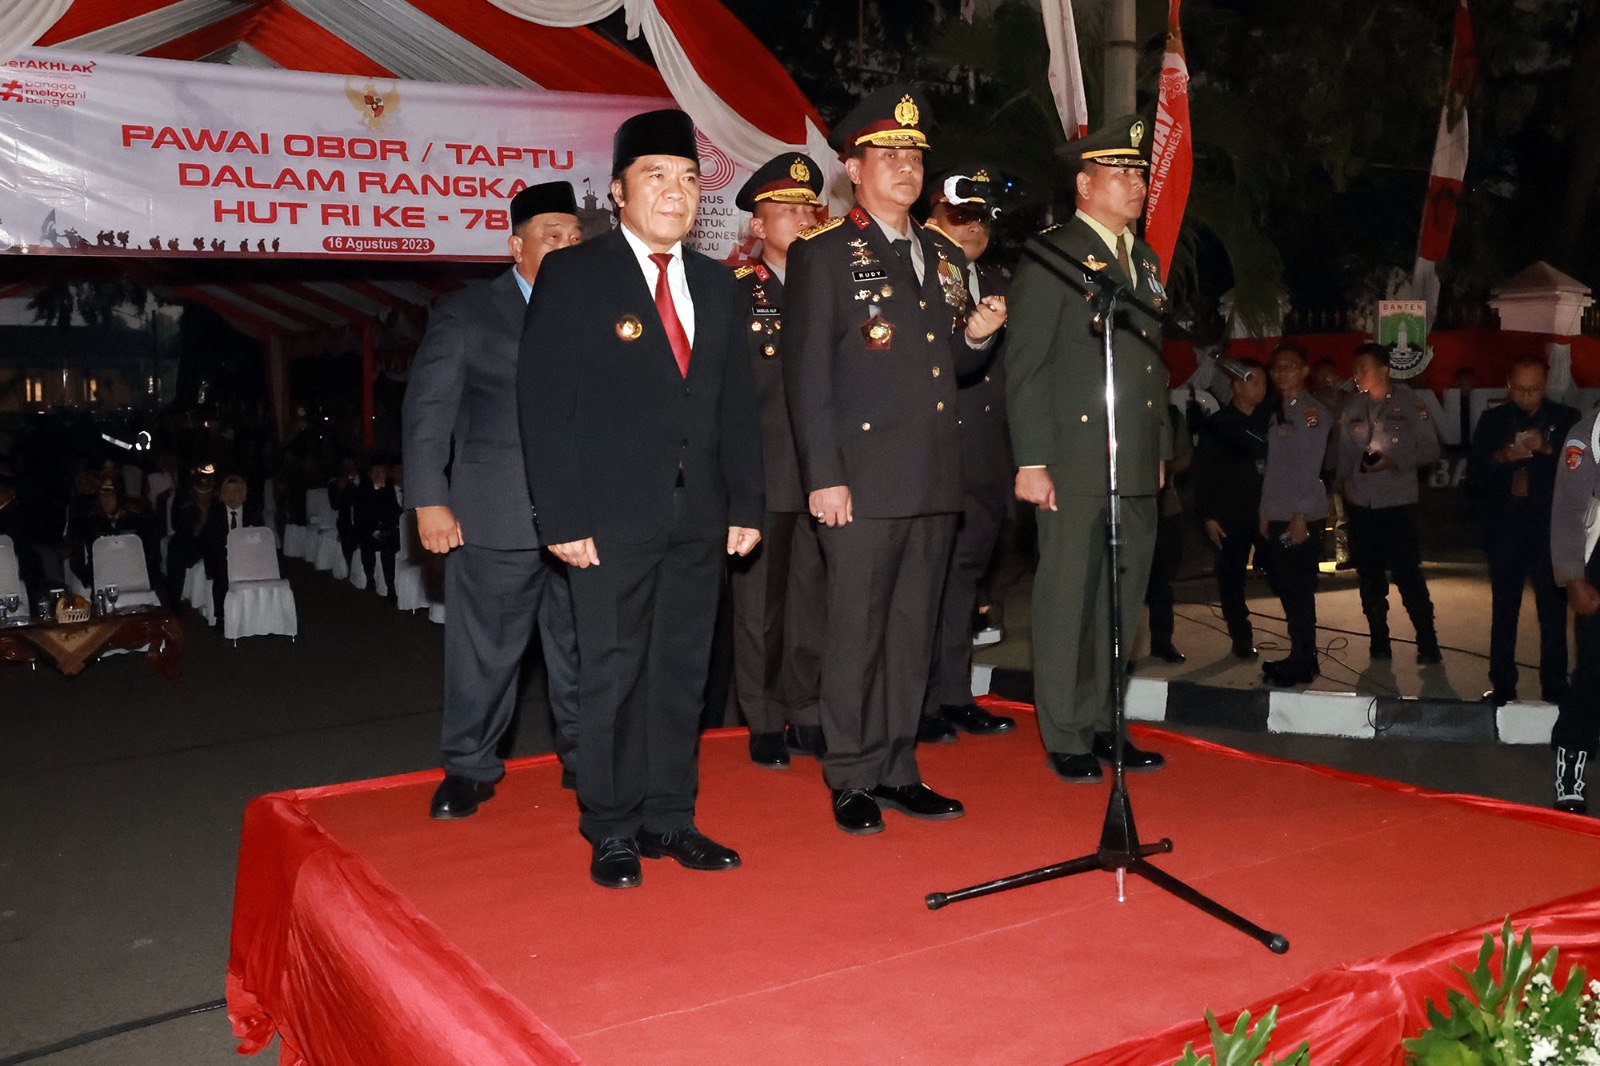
(1120,850)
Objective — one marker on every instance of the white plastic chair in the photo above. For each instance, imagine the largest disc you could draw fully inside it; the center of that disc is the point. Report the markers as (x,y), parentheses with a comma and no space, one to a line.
(259,602)
(197,592)
(11,579)
(120,561)
(326,551)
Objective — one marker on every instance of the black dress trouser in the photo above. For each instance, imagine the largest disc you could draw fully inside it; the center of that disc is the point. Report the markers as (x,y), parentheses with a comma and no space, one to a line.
(1519,554)
(1292,573)
(1386,542)
(1577,725)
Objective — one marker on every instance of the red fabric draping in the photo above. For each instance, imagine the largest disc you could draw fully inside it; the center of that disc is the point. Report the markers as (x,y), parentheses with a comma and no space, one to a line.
(730,60)
(280,984)
(565,60)
(86,16)
(294,42)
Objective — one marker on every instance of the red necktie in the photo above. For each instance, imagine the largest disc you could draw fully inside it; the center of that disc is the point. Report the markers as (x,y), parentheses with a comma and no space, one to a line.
(669,314)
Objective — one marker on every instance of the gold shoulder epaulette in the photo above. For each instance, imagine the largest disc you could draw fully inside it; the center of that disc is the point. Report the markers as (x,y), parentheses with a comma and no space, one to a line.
(1049,229)
(934,228)
(740,273)
(820,227)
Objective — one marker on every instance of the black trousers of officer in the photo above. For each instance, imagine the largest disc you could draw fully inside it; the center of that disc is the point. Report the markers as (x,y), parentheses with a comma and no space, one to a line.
(779,592)
(977,530)
(1518,546)
(1577,725)
(1386,542)
(645,618)
(1232,566)
(1292,573)
(1164,566)
(492,600)
(884,580)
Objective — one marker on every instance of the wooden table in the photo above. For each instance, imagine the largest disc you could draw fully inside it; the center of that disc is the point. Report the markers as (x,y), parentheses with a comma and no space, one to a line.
(72,645)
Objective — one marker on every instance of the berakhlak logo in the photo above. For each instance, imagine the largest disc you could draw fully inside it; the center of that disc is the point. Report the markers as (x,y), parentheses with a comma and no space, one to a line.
(10,90)
(376,107)
(716,168)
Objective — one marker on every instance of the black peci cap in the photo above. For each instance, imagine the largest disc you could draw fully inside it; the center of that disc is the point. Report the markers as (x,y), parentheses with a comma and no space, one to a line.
(666,132)
(550,198)
(791,178)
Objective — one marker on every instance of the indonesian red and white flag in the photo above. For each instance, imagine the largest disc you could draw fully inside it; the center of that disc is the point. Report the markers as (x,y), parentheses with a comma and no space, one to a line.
(1066,67)
(1171,154)
(1449,163)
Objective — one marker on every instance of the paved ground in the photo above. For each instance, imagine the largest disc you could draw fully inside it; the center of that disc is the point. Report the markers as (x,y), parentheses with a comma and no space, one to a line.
(123,794)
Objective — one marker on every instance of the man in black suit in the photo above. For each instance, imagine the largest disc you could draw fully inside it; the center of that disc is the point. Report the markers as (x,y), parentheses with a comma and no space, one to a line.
(778,588)
(375,524)
(1512,474)
(642,436)
(986,469)
(464,458)
(233,510)
(875,343)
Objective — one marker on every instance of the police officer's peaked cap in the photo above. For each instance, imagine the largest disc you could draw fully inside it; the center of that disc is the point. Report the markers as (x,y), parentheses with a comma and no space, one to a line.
(980,189)
(1121,143)
(550,198)
(791,178)
(666,132)
(895,116)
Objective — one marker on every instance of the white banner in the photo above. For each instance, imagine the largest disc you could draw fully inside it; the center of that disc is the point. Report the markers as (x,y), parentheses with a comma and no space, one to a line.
(107,154)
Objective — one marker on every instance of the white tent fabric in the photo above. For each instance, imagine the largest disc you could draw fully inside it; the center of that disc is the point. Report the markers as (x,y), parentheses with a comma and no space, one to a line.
(410,43)
(24,21)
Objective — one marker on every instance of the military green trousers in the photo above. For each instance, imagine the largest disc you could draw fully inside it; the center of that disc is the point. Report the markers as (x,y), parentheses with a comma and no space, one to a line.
(1072,669)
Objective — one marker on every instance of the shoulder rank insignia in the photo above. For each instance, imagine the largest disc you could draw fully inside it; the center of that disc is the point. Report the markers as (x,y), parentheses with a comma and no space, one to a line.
(762,273)
(860,218)
(821,228)
(1049,229)
(1091,262)
(743,272)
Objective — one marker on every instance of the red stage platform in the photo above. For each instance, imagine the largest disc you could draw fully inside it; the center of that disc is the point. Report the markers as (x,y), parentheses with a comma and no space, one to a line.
(366,933)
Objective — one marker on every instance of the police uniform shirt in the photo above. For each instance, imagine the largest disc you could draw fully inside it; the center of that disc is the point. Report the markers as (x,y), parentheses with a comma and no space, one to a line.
(1297,440)
(1577,490)
(1398,427)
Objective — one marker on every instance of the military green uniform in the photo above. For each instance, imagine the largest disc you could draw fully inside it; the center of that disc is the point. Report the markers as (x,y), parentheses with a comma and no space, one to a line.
(1055,389)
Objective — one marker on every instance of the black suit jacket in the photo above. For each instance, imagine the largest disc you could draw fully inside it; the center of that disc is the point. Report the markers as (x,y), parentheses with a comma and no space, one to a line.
(1491,482)
(608,422)
(761,298)
(876,414)
(981,404)
(462,446)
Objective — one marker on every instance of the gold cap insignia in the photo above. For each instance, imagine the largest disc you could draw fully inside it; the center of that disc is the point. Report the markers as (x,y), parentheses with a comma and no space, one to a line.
(905,112)
(1135,134)
(799,171)
(982,175)
(629,328)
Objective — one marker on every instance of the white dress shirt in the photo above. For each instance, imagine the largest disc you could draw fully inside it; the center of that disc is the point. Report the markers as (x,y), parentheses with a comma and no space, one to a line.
(677,279)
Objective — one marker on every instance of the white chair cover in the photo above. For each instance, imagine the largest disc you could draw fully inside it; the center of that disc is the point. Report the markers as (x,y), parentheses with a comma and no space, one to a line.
(119,561)
(358,575)
(436,613)
(296,541)
(319,510)
(11,579)
(412,570)
(330,553)
(197,592)
(69,578)
(269,505)
(259,602)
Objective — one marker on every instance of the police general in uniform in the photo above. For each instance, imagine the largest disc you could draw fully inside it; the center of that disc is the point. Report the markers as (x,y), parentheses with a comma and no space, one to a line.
(1294,510)
(1055,386)
(643,441)
(464,461)
(778,589)
(1383,438)
(874,343)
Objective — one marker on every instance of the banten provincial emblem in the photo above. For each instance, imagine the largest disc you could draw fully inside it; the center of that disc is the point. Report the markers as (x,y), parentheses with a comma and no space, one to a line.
(629,328)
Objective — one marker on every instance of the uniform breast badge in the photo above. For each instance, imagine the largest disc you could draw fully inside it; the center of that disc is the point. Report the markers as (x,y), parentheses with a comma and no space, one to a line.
(1094,264)
(629,328)
(1313,417)
(877,333)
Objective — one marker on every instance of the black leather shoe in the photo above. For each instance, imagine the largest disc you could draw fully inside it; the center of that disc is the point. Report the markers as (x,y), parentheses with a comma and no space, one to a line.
(1132,758)
(1428,652)
(1552,695)
(616,863)
(970,718)
(691,849)
(1499,697)
(1167,653)
(856,812)
(933,729)
(769,750)
(1380,649)
(919,801)
(805,740)
(1291,671)
(1075,768)
(458,797)
(1244,648)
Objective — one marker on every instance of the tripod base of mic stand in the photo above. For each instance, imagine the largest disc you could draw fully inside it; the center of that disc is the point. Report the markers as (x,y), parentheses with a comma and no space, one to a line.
(1121,853)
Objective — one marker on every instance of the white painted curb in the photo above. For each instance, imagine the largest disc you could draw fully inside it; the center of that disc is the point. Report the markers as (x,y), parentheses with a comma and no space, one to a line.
(982,678)
(1525,723)
(1329,714)
(1146,700)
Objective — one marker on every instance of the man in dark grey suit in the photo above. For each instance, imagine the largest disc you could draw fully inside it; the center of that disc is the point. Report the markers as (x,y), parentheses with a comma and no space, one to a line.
(464,461)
